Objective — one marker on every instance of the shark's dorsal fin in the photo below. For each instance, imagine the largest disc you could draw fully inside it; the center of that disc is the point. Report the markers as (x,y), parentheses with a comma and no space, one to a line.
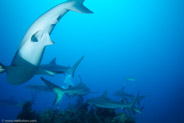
(53,61)
(104,94)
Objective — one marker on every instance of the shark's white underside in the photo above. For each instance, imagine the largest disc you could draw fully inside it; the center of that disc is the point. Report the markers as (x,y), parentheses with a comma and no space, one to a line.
(27,59)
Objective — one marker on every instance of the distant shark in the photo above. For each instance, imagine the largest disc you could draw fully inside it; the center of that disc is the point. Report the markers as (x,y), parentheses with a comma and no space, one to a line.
(10,102)
(27,59)
(78,90)
(39,88)
(104,102)
(125,96)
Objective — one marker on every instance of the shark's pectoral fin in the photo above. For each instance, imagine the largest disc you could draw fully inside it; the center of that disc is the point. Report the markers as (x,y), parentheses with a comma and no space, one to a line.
(47,39)
(41,71)
(40,36)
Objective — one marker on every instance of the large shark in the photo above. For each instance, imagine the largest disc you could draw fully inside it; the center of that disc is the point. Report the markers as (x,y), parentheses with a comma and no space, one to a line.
(60,69)
(78,90)
(104,102)
(27,59)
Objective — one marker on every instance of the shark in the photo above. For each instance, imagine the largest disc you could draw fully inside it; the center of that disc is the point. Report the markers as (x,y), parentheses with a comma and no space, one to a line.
(60,69)
(78,90)
(125,96)
(104,102)
(66,70)
(10,102)
(39,88)
(27,59)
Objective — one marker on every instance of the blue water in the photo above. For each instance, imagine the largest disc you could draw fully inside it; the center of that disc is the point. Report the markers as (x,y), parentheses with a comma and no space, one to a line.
(123,38)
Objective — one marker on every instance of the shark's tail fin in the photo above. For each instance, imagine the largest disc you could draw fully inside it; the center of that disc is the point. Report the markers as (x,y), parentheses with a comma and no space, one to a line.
(56,89)
(72,69)
(2,68)
(132,105)
(77,6)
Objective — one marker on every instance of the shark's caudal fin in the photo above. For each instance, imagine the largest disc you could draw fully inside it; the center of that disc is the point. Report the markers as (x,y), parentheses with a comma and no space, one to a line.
(56,89)
(72,69)
(77,6)
(2,68)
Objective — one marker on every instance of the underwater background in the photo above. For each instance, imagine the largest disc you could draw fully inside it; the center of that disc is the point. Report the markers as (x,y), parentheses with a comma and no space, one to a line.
(123,38)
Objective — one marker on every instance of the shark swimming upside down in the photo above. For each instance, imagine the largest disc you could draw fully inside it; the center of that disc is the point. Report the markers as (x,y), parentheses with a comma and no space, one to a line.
(26,62)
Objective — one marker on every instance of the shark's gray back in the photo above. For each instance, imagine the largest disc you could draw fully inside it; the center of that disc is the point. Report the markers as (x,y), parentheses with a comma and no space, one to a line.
(79,89)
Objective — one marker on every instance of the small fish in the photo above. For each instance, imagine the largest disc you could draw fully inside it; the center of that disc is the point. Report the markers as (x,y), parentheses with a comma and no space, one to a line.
(130,79)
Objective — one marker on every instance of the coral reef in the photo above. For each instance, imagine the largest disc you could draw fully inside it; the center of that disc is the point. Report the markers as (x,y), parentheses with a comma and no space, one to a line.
(82,114)
(27,113)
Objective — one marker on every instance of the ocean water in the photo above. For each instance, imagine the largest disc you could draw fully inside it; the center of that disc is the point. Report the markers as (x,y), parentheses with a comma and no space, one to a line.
(123,38)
